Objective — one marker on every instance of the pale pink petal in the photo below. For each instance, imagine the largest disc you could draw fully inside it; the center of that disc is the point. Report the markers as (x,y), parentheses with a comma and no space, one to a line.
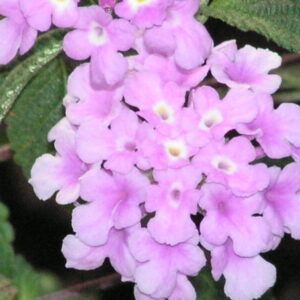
(10,41)
(68,194)
(122,34)
(66,17)
(77,46)
(84,257)
(108,67)
(28,39)
(37,13)
(160,40)
(92,222)
(44,176)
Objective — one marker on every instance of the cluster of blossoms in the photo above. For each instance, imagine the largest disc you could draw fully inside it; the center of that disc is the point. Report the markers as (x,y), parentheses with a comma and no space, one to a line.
(146,152)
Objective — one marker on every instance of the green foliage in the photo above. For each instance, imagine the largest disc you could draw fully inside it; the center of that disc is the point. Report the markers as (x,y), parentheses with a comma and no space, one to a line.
(270,162)
(275,19)
(38,108)
(14,80)
(18,280)
(207,288)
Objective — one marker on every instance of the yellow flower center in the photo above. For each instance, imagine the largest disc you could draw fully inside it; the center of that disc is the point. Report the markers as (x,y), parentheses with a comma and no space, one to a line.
(176,149)
(164,111)
(211,119)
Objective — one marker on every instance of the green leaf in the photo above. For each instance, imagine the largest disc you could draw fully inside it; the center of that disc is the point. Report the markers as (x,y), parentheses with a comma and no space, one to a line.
(38,108)
(13,82)
(207,288)
(270,162)
(6,237)
(200,17)
(275,19)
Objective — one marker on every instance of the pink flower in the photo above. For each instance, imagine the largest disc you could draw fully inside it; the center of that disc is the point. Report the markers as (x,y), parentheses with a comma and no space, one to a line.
(228,216)
(107,5)
(240,271)
(16,34)
(40,14)
(167,70)
(163,152)
(282,201)
(247,67)
(114,202)
(210,118)
(180,36)
(84,257)
(158,102)
(84,102)
(143,13)
(228,164)
(160,265)
(277,131)
(118,145)
(100,37)
(60,172)
(174,198)
(183,290)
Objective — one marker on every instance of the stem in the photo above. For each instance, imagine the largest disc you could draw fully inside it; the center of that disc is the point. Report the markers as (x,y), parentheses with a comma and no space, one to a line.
(5,153)
(88,286)
(290,58)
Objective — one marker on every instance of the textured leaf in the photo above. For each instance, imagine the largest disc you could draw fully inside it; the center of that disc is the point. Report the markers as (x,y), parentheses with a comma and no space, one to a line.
(275,19)
(38,108)
(48,47)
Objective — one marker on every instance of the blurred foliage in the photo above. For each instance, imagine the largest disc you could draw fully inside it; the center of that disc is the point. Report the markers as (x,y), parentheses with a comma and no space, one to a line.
(18,280)
(277,20)
(290,88)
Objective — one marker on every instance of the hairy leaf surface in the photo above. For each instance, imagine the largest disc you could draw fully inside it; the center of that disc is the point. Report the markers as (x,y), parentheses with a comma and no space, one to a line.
(275,19)
(12,82)
(38,108)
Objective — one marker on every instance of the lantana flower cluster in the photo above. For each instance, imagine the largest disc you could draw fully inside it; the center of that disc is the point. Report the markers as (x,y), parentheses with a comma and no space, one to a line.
(163,172)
